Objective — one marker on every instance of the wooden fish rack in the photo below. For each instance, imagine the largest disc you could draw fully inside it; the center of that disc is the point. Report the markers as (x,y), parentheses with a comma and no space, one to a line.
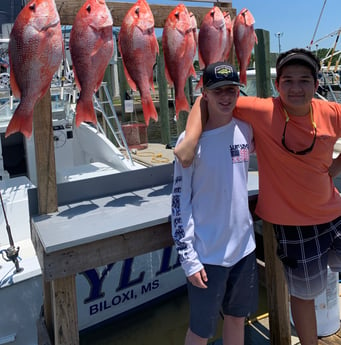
(68,10)
(59,324)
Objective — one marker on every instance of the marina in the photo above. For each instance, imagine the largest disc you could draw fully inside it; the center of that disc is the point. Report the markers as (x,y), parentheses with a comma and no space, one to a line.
(90,260)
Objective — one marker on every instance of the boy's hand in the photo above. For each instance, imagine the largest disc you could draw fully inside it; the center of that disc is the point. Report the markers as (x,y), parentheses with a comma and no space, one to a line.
(199,279)
(185,152)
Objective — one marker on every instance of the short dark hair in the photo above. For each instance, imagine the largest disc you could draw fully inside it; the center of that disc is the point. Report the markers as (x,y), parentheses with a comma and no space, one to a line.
(298,56)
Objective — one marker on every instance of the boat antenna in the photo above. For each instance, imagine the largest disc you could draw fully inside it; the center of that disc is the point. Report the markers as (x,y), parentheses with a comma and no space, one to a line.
(11,253)
(333,50)
(317,25)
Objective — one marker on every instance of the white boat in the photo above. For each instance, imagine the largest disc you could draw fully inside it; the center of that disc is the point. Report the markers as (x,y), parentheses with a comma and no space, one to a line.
(103,293)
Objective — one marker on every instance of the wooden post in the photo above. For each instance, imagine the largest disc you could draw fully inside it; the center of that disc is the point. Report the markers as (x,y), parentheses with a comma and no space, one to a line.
(65,313)
(262,59)
(277,292)
(46,179)
(45,161)
(163,98)
(47,203)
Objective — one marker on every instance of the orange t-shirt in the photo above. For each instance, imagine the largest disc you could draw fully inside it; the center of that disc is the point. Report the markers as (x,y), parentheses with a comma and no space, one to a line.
(294,189)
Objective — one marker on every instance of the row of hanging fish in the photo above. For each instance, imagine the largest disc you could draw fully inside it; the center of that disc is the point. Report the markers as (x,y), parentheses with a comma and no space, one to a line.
(217,35)
(180,41)
(36,52)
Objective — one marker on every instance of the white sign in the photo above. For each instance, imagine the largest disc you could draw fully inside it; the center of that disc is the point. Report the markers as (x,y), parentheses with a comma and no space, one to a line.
(129,105)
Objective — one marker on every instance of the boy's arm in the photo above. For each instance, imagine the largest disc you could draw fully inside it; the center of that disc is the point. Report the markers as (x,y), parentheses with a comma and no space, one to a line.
(197,118)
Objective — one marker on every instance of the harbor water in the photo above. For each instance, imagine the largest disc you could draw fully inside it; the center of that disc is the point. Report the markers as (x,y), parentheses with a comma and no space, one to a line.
(162,323)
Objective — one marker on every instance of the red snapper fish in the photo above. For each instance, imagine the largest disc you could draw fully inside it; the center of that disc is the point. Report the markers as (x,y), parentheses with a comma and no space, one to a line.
(138,47)
(179,47)
(35,53)
(91,47)
(244,38)
(212,39)
(194,28)
(229,35)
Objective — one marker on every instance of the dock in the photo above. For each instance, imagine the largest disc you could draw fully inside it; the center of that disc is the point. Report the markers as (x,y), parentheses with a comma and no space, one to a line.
(154,154)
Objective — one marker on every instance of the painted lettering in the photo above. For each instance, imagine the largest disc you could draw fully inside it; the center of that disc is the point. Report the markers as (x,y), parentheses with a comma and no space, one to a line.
(95,281)
(116,300)
(145,288)
(125,279)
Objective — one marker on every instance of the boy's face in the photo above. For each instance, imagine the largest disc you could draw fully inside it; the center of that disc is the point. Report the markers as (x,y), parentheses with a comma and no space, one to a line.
(296,87)
(221,100)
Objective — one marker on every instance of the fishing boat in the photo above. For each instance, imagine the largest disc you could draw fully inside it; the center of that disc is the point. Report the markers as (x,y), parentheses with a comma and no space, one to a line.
(81,153)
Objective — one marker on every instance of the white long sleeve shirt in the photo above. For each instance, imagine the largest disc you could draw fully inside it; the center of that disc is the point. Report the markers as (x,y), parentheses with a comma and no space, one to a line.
(211,222)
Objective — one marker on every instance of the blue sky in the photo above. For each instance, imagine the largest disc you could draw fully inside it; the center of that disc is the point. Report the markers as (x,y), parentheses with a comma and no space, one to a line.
(295,19)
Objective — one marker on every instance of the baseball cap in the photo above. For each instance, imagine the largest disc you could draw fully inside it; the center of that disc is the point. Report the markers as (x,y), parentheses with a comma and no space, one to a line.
(299,57)
(220,74)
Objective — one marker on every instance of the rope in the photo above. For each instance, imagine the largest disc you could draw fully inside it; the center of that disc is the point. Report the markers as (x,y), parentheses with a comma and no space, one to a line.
(155,157)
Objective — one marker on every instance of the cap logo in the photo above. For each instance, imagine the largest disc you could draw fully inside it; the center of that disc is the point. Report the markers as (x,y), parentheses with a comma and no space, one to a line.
(222,72)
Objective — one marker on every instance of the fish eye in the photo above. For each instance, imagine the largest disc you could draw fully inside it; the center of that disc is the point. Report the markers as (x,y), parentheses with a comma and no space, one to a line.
(88,8)
(32,7)
(137,11)
(177,15)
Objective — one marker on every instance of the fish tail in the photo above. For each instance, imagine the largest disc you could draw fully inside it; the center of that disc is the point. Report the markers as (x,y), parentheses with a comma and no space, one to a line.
(181,104)
(85,112)
(242,76)
(149,110)
(20,122)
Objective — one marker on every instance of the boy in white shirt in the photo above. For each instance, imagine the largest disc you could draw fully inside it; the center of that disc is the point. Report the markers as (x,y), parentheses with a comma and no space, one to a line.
(211,223)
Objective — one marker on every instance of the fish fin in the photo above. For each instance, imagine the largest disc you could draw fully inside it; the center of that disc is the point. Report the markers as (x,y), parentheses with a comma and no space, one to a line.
(21,121)
(201,61)
(168,77)
(76,80)
(256,39)
(157,52)
(151,83)
(14,85)
(149,110)
(181,104)
(85,112)
(130,81)
(242,77)
(192,71)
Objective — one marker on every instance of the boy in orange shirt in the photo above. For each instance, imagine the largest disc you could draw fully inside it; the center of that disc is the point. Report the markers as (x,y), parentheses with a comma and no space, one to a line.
(295,136)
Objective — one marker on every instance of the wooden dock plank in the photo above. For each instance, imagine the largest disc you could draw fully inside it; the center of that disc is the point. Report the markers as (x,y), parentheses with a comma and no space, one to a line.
(334,339)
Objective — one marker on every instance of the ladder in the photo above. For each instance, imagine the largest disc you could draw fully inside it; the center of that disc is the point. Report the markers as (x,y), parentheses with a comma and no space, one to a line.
(112,121)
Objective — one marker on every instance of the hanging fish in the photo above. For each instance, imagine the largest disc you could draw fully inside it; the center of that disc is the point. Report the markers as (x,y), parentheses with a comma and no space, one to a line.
(179,47)
(244,38)
(212,39)
(91,47)
(229,35)
(138,47)
(35,53)
(194,28)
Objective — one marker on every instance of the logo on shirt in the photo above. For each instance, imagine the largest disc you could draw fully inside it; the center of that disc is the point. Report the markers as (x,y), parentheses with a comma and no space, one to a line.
(240,153)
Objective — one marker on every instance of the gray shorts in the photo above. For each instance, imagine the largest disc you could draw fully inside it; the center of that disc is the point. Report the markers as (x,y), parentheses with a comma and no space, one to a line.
(234,290)
(305,252)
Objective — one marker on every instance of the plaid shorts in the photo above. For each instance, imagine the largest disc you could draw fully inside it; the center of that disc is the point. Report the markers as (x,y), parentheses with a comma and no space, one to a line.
(304,252)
